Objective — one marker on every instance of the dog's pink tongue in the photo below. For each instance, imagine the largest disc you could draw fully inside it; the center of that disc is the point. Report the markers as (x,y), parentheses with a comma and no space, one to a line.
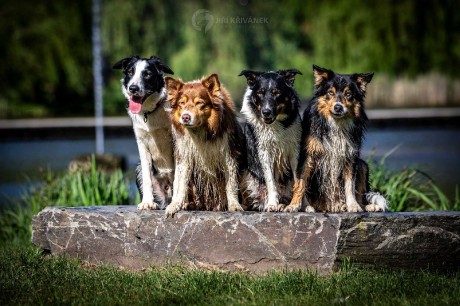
(135,106)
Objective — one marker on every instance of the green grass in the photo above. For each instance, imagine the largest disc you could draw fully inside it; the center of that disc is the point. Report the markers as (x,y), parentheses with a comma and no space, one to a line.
(71,189)
(28,277)
(409,189)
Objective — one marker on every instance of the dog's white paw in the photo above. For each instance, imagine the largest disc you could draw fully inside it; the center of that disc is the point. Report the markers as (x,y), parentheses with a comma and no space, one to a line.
(377,203)
(147,206)
(354,207)
(273,207)
(172,209)
(235,206)
(309,208)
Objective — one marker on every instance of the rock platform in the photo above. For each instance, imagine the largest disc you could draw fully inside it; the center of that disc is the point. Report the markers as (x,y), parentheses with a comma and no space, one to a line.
(250,241)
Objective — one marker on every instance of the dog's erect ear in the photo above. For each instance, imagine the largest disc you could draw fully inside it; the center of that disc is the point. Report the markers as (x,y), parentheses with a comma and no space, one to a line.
(251,76)
(362,79)
(172,87)
(123,63)
(321,75)
(289,75)
(212,83)
(158,62)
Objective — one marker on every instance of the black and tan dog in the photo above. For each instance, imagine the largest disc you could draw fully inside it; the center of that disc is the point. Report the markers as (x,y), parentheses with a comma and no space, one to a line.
(330,167)
(272,131)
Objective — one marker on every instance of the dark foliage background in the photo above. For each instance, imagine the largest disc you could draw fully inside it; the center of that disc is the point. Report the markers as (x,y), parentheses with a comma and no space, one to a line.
(46,56)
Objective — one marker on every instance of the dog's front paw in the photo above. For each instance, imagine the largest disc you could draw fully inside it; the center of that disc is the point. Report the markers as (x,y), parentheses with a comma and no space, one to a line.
(273,207)
(172,209)
(354,207)
(293,207)
(147,206)
(310,209)
(235,206)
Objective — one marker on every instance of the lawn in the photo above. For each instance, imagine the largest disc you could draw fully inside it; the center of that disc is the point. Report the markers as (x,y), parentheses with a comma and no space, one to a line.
(29,277)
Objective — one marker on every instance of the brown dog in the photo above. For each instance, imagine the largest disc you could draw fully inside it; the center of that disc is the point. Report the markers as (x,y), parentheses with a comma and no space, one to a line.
(208,146)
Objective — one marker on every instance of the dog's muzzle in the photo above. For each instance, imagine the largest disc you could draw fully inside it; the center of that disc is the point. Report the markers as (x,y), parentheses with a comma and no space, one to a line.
(186,119)
(339,109)
(268,115)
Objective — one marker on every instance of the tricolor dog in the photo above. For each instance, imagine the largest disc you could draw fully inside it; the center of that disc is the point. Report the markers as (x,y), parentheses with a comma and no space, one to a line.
(332,174)
(273,132)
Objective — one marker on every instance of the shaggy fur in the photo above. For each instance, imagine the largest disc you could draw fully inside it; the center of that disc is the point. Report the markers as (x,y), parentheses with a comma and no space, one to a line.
(333,130)
(144,88)
(272,131)
(208,146)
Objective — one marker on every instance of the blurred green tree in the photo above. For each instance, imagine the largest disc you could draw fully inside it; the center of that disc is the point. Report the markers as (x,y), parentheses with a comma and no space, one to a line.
(46,52)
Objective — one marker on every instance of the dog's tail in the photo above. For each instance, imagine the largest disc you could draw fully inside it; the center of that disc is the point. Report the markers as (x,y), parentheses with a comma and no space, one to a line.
(376,202)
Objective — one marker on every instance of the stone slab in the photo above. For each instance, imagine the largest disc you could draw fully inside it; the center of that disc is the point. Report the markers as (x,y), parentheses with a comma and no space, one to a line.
(257,242)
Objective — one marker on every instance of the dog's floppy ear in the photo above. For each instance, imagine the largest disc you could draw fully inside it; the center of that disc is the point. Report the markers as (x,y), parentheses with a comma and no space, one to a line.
(362,79)
(123,63)
(212,83)
(321,75)
(172,87)
(289,75)
(158,62)
(251,76)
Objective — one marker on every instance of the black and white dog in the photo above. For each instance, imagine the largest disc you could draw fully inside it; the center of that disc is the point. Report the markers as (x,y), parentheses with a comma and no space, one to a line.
(273,132)
(144,88)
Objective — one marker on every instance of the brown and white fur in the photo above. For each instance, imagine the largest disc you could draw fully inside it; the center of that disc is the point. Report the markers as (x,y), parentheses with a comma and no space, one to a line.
(208,146)
(333,175)
(144,88)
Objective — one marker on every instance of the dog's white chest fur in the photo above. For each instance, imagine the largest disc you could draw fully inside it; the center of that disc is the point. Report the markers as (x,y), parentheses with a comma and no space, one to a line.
(205,157)
(275,143)
(339,149)
(155,134)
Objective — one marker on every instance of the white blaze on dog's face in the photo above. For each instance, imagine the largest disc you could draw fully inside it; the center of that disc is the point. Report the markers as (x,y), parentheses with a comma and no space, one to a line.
(143,78)
(135,74)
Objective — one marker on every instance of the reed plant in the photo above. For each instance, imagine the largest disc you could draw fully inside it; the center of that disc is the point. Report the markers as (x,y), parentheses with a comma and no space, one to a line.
(409,189)
(82,187)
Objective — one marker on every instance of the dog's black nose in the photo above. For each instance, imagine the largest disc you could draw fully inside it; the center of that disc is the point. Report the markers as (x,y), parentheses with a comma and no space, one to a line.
(133,89)
(338,108)
(266,112)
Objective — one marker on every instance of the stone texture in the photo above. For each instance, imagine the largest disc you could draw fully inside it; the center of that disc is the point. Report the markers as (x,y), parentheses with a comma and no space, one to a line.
(125,237)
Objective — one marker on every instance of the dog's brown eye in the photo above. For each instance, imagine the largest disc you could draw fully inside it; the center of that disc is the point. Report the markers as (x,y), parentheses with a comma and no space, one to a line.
(147,75)
(130,72)
(348,95)
(260,93)
(330,93)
